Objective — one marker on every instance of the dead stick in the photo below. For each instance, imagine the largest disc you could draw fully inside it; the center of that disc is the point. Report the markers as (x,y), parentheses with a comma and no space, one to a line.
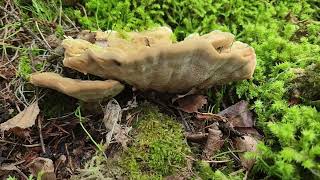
(40,135)
(196,137)
(25,145)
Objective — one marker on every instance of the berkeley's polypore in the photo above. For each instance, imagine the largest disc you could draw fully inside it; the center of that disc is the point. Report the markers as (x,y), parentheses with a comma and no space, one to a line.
(151,61)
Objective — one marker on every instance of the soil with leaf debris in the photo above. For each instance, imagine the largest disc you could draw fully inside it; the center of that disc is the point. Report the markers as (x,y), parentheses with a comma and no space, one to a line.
(266,127)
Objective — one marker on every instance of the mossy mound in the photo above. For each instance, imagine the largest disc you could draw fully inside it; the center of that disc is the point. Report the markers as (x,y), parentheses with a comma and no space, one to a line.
(158,149)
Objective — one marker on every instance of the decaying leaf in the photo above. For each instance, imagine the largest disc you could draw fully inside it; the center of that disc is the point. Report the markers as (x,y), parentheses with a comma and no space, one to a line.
(6,168)
(246,144)
(238,115)
(81,89)
(112,116)
(214,142)
(22,133)
(44,166)
(192,103)
(24,119)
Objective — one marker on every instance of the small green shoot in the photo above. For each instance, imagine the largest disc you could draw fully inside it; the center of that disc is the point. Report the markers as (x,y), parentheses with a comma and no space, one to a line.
(99,146)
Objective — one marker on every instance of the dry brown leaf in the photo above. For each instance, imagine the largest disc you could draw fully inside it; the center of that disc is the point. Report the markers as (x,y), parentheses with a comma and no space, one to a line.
(112,116)
(192,103)
(246,144)
(6,168)
(238,115)
(24,119)
(22,133)
(214,142)
(43,165)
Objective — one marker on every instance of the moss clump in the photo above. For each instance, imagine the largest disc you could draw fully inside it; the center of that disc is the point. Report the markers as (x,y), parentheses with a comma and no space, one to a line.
(158,150)
(158,147)
(24,67)
(205,172)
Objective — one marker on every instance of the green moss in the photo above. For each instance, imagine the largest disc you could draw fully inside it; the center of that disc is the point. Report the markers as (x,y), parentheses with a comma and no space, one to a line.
(158,148)
(205,172)
(24,67)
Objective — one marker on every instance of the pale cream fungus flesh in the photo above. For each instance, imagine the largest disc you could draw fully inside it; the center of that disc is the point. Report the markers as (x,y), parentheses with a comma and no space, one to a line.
(150,61)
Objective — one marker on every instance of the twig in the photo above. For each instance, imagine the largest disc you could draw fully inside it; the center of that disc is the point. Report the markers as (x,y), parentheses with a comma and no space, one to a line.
(69,159)
(185,123)
(234,155)
(25,145)
(222,161)
(60,128)
(196,137)
(246,175)
(68,19)
(40,134)
(22,174)
(44,39)
(211,117)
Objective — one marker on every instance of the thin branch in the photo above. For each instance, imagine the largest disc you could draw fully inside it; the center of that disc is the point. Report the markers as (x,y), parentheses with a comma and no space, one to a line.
(25,145)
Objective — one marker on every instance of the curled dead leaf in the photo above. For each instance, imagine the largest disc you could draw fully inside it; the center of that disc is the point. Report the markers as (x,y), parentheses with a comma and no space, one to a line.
(24,119)
(246,144)
(192,103)
(112,116)
(238,115)
(44,166)
(214,142)
(7,168)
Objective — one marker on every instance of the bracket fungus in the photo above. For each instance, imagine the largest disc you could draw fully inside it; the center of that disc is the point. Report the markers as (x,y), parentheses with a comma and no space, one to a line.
(150,60)
(84,90)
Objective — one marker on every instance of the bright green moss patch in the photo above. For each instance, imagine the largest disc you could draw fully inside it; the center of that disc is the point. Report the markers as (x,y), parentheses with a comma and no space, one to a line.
(158,149)
(24,67)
